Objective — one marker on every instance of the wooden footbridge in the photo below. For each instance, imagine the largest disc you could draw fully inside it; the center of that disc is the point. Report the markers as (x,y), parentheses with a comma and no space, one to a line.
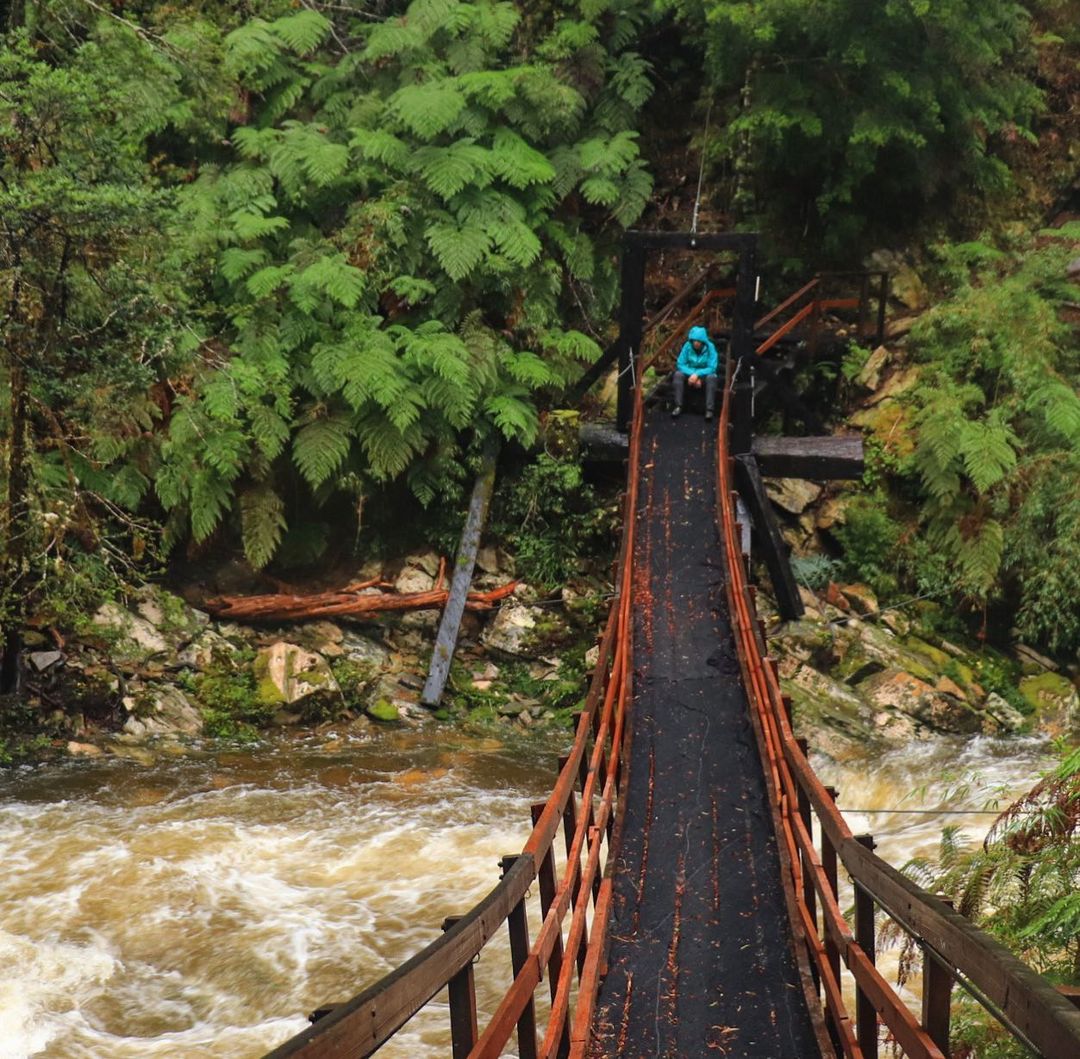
(688,860)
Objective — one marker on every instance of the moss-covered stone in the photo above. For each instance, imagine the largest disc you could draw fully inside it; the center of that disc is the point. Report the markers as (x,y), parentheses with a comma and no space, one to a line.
(1053,697)
(383,710)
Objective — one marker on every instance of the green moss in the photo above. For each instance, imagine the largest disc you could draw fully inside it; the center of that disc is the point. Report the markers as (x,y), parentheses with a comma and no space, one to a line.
(383,710)
(1048,692)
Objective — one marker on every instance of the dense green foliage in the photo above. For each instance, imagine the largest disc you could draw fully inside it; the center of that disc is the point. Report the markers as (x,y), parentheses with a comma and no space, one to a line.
(835,117)
(330,251)
(396,237)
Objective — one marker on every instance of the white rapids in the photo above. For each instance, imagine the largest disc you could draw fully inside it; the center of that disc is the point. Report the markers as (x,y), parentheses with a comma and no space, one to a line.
(201,906)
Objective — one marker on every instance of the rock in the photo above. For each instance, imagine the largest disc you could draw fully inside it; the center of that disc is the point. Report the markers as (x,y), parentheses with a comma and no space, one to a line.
(169,614)
(794,495)
(869,376)
(950,687)
(861,597)
(832,512)
(286,674)
(363,650)
(896,622)
(42,660)
(897,690)
(1072,269)
(209,646)
(418,573)
(285,718)
(513,630)
(899,327)
(1053,696)
(158,711)
(84,750)
(1033,662)
(135,637)
(592,658)
(487,560)
(898,383)
(834,719)
(835,598)
(908,288)
(382,710)
(1001,715)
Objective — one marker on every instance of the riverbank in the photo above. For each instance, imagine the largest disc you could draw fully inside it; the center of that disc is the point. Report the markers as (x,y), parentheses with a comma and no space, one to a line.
(157,668)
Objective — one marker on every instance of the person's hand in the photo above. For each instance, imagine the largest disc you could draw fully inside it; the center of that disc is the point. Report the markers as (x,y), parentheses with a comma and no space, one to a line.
(695,381)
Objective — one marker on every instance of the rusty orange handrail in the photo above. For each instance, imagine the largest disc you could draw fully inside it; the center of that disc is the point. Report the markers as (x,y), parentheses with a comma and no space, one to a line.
(955,950)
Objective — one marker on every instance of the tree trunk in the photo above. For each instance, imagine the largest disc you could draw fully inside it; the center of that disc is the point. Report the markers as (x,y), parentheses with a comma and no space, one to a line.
(16,525)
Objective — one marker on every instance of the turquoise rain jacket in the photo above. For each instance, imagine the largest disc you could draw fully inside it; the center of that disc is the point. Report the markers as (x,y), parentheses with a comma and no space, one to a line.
(691,362)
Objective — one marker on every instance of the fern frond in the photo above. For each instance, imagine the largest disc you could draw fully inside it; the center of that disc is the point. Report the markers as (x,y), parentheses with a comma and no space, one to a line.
(320,447)
(262,524)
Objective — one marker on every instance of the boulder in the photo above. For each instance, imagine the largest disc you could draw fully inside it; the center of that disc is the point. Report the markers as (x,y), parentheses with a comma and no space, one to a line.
(161,710)
(512,631)
(1053,697)
(869,375)
(1001,715)
(794,495)
(135,637)
(834,719)
(907,287)
(896,384)
(418,573)
(286,674)
(42,660)
(831,512)
(84,749)
(1072,269)
(861,597)
(209,646)
(894,689)
(365,651)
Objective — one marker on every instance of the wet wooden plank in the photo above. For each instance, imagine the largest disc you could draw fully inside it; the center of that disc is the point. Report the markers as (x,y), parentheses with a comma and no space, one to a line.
(837,456)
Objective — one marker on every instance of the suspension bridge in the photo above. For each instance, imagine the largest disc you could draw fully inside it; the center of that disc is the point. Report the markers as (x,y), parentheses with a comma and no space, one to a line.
(688,861)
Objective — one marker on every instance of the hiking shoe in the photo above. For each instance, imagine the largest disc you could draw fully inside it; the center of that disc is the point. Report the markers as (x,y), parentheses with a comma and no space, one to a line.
(676,412)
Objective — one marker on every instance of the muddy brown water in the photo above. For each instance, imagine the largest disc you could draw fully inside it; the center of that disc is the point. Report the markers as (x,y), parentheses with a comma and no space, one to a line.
(201,905)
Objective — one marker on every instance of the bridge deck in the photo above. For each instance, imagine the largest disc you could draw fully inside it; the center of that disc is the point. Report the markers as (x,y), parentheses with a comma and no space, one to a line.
(701,959)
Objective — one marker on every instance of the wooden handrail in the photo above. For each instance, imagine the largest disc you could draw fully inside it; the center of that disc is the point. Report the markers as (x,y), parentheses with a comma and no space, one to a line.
(362,1024)
(1026,1004)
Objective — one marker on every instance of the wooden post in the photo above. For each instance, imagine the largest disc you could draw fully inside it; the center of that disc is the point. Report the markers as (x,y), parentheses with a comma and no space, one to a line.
(806,814)
(864,306)
(548,885)
(832,953)
(518,925)
(770,539)
(866,1022)
(937,996)
(450,624)
(462,989)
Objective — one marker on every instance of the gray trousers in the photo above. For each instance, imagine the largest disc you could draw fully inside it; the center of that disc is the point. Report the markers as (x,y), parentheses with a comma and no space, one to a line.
(678,384)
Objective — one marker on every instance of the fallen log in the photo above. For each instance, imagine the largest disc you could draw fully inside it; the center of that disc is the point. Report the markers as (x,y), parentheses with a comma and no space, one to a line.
(354,601)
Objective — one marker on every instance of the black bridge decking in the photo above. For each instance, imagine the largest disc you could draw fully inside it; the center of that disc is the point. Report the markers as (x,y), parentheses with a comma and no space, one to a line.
(701,960)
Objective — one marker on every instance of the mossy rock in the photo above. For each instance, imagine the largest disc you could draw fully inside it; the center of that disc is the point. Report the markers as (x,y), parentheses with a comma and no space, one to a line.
(384,710)
(1052,696)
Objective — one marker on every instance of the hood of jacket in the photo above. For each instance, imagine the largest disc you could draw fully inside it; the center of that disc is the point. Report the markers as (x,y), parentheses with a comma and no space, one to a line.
(698,334)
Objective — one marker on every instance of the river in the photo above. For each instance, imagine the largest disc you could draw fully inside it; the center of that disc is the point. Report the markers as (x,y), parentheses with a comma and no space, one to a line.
(201,905)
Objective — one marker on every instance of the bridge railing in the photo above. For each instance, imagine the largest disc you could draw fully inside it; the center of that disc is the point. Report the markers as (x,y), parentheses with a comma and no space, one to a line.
(585,807)
(954,951)
(803,313)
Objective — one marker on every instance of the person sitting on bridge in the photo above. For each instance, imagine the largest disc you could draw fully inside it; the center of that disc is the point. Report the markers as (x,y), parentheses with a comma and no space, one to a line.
(697,364)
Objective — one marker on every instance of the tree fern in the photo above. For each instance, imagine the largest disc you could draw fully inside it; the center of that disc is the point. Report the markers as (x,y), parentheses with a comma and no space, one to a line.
(262,518)
(320,447)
